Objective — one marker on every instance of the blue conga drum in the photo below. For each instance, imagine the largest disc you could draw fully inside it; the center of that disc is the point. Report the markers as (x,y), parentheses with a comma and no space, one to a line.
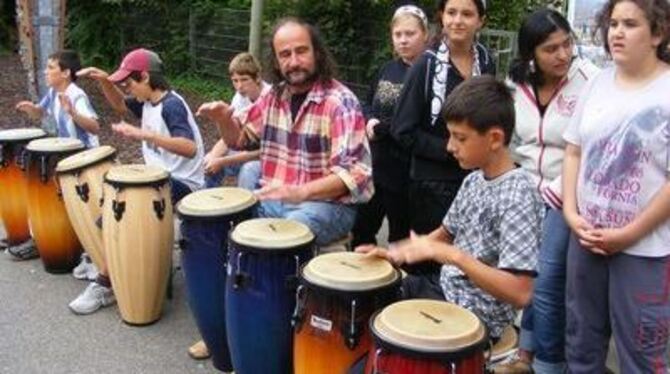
(207,217)
(264,261)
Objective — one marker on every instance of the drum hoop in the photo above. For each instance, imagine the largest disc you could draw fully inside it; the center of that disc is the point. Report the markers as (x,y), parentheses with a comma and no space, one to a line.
(271,252)
(26,140)
(444,357)
(244,213)
(121,185)
(77,169)
(349,294)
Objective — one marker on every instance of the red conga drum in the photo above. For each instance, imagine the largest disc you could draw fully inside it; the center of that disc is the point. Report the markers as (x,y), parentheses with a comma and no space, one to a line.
(80,177)
(427,337)
(14,183)
(338,294)
(54,236)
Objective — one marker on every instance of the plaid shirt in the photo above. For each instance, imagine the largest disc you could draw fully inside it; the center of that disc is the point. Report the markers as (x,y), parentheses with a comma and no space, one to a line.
(327,137)
(499,222)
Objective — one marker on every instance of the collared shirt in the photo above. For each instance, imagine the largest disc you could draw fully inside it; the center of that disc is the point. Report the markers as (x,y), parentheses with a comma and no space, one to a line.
(498,222)
(327,137)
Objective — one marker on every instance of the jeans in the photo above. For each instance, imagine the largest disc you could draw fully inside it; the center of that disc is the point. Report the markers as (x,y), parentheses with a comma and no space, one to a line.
(544,318)
(216,179)
(178,190)
(328,221)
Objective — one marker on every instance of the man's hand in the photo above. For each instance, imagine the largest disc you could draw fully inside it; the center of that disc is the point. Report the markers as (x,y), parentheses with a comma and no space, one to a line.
(214,110)
(93,73)
(370,127)
(129,131)
(285,193)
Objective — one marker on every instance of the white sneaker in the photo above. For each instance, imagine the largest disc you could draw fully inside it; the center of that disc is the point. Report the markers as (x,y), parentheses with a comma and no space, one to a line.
(86,270)
(94,297)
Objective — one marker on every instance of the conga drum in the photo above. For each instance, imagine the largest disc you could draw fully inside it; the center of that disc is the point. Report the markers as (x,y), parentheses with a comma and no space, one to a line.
(138,235)
(14,183)
(337,296)
(207,217)
(55,239)
(264,260)
(427,337)
(505,347)
(80,177)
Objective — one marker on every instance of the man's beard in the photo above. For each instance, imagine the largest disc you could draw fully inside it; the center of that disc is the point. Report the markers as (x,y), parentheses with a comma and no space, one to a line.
(300,77)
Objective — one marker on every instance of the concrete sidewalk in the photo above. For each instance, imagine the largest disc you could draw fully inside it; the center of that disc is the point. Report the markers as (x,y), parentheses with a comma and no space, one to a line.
(39,334)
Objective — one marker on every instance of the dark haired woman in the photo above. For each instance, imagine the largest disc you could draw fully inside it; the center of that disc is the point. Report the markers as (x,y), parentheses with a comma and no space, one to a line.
(547,80)
(417,124)
(616,192)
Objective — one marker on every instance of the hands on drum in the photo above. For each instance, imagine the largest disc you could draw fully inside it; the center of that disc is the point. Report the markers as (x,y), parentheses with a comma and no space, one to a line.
(415,249)
(284,193)
(129,131)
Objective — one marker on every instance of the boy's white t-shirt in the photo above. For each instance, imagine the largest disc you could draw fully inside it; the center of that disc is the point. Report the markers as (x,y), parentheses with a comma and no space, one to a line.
(624,137)
(65,126)
(239,103)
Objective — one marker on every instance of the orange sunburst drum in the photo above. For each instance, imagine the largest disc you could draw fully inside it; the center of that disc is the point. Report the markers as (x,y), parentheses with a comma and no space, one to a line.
(14,183)
(339,293)
(54,236)
(80,177)
(138,235)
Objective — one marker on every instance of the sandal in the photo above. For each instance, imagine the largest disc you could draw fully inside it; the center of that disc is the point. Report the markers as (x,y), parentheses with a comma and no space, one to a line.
(23,251)
(199,351)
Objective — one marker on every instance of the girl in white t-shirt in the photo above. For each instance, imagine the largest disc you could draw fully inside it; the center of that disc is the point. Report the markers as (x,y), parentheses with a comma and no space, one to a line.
(617,198)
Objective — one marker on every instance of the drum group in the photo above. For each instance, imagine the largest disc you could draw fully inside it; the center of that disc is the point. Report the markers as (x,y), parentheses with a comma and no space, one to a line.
(263,299)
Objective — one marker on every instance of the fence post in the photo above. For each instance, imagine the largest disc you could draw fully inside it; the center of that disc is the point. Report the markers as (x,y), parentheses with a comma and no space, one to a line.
(256,28)
(191,39)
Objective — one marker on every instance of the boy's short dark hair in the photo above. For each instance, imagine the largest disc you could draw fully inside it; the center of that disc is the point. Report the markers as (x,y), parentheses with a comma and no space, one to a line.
(67,60)
(484,103)
(157,80)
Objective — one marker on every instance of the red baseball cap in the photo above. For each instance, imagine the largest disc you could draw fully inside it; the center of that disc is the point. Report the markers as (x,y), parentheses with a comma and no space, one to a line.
(137,60)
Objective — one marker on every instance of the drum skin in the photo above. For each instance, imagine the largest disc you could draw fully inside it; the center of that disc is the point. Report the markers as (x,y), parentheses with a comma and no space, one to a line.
(138,247)
(14,197)
(260,300)
(204,254)
(84,210)
(55,239)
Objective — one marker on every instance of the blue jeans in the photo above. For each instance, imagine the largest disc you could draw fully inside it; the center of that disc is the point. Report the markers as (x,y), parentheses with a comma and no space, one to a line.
(178,190)
(544,318)
(328,221)
(216,179)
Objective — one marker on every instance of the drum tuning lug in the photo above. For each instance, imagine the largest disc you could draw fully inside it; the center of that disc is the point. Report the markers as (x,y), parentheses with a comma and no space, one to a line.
(82,191)
(159,208)
(118,207)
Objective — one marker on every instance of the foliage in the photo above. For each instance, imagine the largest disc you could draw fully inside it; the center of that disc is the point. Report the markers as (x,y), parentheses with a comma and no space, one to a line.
(206,88)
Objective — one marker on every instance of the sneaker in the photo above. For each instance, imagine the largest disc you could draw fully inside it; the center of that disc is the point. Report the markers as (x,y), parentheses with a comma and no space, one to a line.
(512,365)
(23,251)
(199,351)
(94,297)
(86,270)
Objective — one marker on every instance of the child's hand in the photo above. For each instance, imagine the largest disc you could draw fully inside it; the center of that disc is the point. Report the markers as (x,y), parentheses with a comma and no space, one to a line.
(584,232)
(373,251)
(25,106)
(129,131)
(65,103)
(212,165)
(613,240)
(93,73)
(370,127)
(417,248)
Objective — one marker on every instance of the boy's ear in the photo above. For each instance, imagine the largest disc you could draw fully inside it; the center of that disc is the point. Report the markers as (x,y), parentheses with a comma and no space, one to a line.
(496,136)
(145,76)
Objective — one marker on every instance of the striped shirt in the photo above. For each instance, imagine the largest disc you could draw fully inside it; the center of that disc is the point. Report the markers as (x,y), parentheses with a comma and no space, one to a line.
(327,137)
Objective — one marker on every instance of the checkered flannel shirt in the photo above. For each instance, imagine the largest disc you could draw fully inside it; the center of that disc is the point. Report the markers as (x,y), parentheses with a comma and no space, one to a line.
(327,137)
(499,222)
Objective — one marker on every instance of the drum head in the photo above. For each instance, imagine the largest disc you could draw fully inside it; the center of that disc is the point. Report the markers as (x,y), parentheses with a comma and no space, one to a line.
(429,326)
(136,174)
(214,202)
(55,145)
(271,233)
(85,158)
(17,135)
(508,343)
(349,271)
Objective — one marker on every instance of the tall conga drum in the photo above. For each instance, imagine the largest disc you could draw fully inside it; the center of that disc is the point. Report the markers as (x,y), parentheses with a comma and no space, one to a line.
(427,337)
(264,260)
(138,235)
(207,217)
(80,177)
(336,298)
(14,182)
(55,239)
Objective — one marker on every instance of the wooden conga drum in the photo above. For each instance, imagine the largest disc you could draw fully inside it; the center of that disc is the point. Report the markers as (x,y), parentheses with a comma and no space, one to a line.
(138,235)
(427,337)
(337,296)
(80,177)
(14,182)
(55,239)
